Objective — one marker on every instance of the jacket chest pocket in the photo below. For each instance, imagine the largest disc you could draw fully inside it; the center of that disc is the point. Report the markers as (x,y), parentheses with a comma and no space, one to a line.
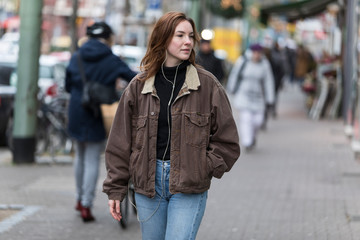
(196,129)
(138,134)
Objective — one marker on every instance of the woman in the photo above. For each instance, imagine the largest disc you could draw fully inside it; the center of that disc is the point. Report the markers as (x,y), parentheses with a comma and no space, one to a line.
(173,131)
(252,82)
(87,128)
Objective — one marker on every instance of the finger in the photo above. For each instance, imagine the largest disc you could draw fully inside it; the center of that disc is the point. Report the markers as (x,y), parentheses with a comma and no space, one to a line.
(117,203)
(116,216)
(111,206)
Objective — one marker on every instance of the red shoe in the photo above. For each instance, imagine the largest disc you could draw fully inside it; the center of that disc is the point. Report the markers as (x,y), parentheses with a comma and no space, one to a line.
(86,215)
(78,206)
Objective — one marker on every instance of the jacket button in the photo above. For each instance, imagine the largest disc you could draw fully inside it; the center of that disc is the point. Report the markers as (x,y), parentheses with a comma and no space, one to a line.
(152,113)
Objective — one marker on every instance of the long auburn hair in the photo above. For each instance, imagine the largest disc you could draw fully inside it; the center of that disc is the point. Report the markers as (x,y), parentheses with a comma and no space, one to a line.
(159,41)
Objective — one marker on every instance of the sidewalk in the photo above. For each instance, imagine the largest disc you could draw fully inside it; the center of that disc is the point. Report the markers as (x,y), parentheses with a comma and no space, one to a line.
(301,182)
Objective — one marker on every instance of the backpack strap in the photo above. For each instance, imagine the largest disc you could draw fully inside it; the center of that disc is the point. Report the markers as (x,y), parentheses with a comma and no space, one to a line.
(81,68)
(240,75)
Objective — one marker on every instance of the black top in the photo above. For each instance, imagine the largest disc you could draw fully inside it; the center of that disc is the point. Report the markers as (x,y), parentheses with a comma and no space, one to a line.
(164,90)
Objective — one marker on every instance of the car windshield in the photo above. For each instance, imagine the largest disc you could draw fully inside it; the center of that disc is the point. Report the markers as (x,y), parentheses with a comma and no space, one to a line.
(45,72)
(5,74)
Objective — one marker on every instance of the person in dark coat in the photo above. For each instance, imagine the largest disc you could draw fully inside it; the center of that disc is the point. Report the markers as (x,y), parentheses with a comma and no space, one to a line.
(207,59)
(86,128)
(277,62)
(277,59)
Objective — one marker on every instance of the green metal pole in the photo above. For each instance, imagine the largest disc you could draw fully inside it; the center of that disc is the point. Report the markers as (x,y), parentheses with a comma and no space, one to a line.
(248,23)
(27,87)
(194,13)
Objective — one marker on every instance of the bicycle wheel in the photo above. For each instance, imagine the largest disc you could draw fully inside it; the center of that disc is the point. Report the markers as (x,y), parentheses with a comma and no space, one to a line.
(58,141)
(42,137)
(124,208)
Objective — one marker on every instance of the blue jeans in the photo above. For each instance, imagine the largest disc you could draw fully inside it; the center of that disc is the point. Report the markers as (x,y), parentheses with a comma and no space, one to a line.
(86,168)
(169,216)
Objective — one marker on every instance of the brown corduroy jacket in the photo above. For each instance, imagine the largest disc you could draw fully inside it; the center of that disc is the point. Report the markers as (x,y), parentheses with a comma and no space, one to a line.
(204,137)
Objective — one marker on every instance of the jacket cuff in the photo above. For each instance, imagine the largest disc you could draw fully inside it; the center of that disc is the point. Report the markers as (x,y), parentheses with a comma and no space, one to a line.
(219,171)
(217,165)
(116,196)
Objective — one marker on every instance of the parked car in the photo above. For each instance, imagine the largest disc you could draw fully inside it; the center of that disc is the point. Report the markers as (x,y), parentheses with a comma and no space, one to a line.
(7,93)
(51,71)
(51,79)
(11,37)
(9,45)
(132,55)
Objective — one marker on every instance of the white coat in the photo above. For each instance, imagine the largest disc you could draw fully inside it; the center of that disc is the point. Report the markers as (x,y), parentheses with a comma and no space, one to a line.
(257,85)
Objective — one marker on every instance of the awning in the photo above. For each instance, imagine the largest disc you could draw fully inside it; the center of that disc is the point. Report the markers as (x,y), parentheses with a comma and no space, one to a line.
(296,10)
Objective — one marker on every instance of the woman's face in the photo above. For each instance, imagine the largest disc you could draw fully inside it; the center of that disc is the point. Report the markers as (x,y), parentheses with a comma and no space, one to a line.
(256,56)
(181,44)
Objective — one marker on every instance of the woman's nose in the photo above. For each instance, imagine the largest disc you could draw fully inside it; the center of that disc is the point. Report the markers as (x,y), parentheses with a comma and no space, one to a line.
(188,40)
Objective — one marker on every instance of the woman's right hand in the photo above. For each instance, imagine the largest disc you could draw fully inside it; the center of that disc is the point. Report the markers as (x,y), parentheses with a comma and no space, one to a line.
(114,206)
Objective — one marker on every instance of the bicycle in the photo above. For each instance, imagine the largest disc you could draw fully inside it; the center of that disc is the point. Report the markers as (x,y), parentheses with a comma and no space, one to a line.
(51,135)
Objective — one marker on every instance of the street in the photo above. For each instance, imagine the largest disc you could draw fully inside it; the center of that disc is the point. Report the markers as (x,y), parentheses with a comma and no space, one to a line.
(300,182)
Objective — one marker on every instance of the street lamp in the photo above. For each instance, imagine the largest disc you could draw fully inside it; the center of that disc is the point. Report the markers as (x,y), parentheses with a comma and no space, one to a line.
(207,34)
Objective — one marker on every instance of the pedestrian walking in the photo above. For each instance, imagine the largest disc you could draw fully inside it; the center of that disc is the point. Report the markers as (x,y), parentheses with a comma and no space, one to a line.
(173,131)
(290,56)
(98,63)
(304,64)
(207,59)
(251,81)
(277,61)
